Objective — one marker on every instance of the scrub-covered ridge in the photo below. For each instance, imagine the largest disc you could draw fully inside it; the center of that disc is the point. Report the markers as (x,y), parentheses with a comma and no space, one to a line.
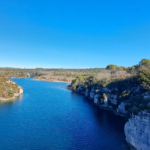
(8,89)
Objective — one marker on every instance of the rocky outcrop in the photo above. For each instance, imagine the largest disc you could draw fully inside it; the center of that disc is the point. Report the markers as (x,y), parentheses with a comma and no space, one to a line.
(96,98)
(121,108)
(105,101)
(137,131)
(9,90)
(92,93)
(86,92)
(20,92)
(113,99)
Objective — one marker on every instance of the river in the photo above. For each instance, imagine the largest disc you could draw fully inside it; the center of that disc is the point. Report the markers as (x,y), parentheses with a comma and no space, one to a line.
(49,117)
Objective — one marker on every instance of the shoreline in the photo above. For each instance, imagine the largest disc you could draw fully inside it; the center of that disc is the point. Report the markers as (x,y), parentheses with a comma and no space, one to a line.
(9,99)
(15,96)
(101,107)
(51,80)
(107,109)
(18,77)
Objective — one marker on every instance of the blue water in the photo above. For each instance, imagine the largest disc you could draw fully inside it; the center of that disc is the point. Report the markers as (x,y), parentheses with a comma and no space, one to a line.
(50,117)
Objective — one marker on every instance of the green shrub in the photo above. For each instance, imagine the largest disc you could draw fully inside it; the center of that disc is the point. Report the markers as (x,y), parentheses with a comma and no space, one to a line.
(104,95)
(144,78)
(144,62)
(111,66)
(121,68)
(73,82)
(74,87)
(138,103)
(10,93)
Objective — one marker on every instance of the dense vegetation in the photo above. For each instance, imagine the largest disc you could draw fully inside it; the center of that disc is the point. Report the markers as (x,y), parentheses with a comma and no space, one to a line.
(19,73)
(49,74)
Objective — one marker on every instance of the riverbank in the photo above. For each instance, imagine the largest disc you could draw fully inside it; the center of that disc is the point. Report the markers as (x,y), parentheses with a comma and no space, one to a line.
(9,90)
(99,105)
(16,95)
(52,80)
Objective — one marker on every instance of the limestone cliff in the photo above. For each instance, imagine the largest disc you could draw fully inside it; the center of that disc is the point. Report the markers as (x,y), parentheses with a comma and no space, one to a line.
(137,131)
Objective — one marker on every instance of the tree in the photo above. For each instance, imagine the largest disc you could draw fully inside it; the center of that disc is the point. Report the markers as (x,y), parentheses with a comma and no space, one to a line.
(73,87)
(144,62)
(144,78)
(121,68)
(111,66)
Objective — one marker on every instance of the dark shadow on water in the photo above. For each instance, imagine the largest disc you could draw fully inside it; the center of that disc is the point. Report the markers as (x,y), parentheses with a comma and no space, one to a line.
(107,120)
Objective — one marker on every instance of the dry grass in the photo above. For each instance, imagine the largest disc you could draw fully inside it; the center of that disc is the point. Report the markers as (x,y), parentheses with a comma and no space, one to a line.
(51,77)
(113,75)
(7,89)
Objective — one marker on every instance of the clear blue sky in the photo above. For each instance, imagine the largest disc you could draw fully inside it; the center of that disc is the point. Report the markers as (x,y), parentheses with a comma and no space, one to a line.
(73,33)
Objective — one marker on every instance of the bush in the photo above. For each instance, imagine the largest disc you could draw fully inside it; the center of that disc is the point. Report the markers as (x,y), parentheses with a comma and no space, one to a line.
(138,103)
(121,68)
(144,78)
(10,93)
(111,66)
(4,95)
(104,95)
(74,87)
(144,62)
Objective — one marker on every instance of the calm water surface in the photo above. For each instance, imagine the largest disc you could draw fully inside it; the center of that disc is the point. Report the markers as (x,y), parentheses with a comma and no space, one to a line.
(50,117)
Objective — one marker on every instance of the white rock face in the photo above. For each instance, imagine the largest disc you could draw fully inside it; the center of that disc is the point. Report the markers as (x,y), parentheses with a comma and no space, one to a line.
(21,91)
(86,92)
(137,131)
(11,82)
(96,98)
(79,88)
(105,101)
(121,108)
(28,74)
(92,93)
(113,99)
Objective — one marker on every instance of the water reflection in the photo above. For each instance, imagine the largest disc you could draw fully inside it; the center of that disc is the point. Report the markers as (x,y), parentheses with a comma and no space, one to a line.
(17,100)
(6,102)
(20,97)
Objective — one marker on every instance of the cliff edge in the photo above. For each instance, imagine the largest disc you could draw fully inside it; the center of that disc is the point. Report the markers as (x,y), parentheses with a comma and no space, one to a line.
(137,131)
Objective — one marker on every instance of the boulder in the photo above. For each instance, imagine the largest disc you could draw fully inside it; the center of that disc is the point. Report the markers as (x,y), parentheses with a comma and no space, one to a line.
(96,98)
(121,108)
(137,131)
